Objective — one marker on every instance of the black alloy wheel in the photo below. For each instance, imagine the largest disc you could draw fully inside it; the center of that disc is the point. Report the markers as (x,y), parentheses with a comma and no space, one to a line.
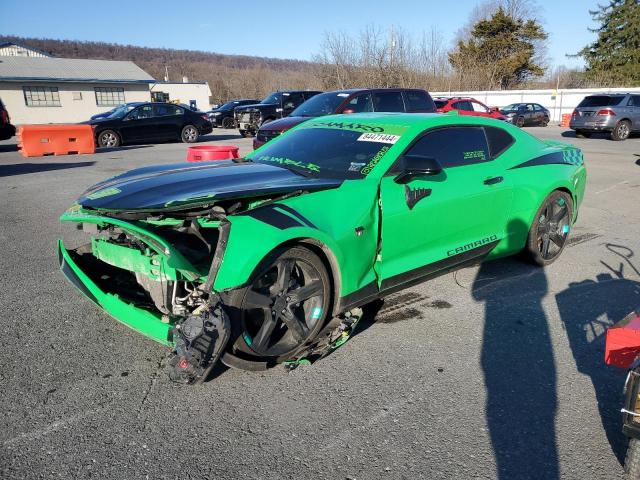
(550,229)
(284,307)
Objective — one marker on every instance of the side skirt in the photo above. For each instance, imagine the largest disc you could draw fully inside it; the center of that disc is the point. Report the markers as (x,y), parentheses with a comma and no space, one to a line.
(370,292)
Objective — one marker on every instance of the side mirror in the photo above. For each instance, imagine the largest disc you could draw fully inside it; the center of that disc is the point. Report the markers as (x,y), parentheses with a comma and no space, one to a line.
(417,166)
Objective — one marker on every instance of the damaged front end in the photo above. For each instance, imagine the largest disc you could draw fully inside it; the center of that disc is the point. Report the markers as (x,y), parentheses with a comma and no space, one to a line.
(155,273)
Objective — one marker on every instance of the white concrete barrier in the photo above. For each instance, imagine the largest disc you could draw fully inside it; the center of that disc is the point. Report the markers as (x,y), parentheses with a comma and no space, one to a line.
(557,101)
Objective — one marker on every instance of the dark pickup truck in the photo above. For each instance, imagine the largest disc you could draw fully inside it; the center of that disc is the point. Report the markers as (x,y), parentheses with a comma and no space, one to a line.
(249,118)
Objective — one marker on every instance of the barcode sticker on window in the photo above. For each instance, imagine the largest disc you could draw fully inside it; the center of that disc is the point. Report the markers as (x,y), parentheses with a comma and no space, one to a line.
(379,138)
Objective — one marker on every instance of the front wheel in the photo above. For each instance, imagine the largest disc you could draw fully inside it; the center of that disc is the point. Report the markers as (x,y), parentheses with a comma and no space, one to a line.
(520,122)
(550,229)
(632,460)
(228,122)
(189,134)
(108,139)
(621,131)
(283,307)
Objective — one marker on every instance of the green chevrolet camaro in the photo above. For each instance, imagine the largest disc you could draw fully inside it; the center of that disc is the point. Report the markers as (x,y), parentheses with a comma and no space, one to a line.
(251,261)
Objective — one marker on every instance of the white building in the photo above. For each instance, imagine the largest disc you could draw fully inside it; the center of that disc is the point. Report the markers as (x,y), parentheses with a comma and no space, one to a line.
(10,49)
(64,90)
(188,93)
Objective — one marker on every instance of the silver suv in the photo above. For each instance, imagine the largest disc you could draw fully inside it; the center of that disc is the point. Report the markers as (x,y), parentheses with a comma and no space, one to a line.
(616,113)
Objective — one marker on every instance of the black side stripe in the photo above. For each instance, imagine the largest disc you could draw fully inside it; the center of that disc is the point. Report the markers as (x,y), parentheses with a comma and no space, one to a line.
(273,217)
(296,214)
(556,158)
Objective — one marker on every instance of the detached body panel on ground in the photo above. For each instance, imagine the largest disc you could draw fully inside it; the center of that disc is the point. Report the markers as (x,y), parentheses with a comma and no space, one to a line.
(332,214)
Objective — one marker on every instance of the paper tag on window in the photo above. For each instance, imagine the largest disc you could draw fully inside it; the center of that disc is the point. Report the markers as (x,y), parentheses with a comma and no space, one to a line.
(379,138)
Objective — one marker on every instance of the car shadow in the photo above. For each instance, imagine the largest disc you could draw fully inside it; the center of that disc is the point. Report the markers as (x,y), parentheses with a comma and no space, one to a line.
(9,147)
(121,149)
(587,309)
(518,367)
(26,168)
(216,138)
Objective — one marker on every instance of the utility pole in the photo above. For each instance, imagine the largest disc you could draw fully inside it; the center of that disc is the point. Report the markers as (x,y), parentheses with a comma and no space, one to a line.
(166,73)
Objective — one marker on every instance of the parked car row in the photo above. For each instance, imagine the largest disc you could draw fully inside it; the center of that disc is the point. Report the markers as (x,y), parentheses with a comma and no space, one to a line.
(616,114)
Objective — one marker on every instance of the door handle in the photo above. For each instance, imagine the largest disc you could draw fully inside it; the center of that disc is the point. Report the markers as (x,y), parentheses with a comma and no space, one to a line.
(493,180)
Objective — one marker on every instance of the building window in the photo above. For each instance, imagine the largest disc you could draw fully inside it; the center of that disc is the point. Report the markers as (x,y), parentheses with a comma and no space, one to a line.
(77,95)
(41,96)
(109,97)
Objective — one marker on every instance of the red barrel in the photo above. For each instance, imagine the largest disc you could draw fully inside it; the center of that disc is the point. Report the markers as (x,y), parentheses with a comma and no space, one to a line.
(205,153)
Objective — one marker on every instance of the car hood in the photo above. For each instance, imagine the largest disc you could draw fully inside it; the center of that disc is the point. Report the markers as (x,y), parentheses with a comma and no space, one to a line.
(184,185)
(285,123)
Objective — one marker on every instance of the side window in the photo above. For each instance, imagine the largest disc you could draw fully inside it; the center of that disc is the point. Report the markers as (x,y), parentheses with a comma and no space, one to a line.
(634,100)
(529,107)
(140,113)
(360,103)
(478,107)
(463,105)
(537,107)
(388,102)
(161,110)
(454,146)
(292,100)
(417,101)
(499,140)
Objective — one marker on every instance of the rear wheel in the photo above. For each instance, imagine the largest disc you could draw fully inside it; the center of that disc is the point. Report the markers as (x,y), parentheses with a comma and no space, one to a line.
(282,309)
(550,229)
(621,131)
(545,122)
(632,459)
(108,139)
(189,134)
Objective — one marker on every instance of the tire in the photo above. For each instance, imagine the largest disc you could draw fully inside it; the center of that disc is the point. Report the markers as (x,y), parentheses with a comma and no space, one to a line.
(550,229)
(268,324)
(583,134)
(189,134)
(544,122)
(519,122)
(108,139)
(228,122)
(621,131)
(632,460)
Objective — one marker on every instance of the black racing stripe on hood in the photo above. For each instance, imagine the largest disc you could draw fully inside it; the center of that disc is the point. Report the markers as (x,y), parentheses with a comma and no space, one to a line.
(273,217)
(556,158)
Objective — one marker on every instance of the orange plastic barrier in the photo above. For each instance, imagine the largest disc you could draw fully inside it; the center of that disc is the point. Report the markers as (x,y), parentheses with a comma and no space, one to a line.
(205,153)
(566,118)
(39,140)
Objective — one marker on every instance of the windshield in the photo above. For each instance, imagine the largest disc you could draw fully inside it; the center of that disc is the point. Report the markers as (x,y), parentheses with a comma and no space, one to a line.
(601,101)
(121,110)
(228,105)
(323,104)
(325,152)
(511,108)
(273,98)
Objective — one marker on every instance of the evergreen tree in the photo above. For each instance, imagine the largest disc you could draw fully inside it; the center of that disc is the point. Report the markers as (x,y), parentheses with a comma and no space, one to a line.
(500,52)
(614,58)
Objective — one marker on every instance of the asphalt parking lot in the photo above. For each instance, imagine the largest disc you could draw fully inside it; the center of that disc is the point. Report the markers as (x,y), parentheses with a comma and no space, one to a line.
(492,371)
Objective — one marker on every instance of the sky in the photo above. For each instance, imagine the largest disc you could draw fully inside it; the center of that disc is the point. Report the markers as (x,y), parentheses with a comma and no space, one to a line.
(275,28)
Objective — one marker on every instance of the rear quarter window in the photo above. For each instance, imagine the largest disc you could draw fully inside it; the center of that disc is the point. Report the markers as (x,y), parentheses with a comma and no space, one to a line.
(601,101)
(416,101)
(499,140)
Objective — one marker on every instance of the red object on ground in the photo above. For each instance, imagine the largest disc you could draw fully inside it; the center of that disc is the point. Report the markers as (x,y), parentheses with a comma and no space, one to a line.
(39,140)
(622,345)
(205,153)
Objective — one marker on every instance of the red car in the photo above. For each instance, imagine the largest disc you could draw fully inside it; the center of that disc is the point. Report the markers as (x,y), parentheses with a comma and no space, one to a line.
(349,101)
(467,106)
